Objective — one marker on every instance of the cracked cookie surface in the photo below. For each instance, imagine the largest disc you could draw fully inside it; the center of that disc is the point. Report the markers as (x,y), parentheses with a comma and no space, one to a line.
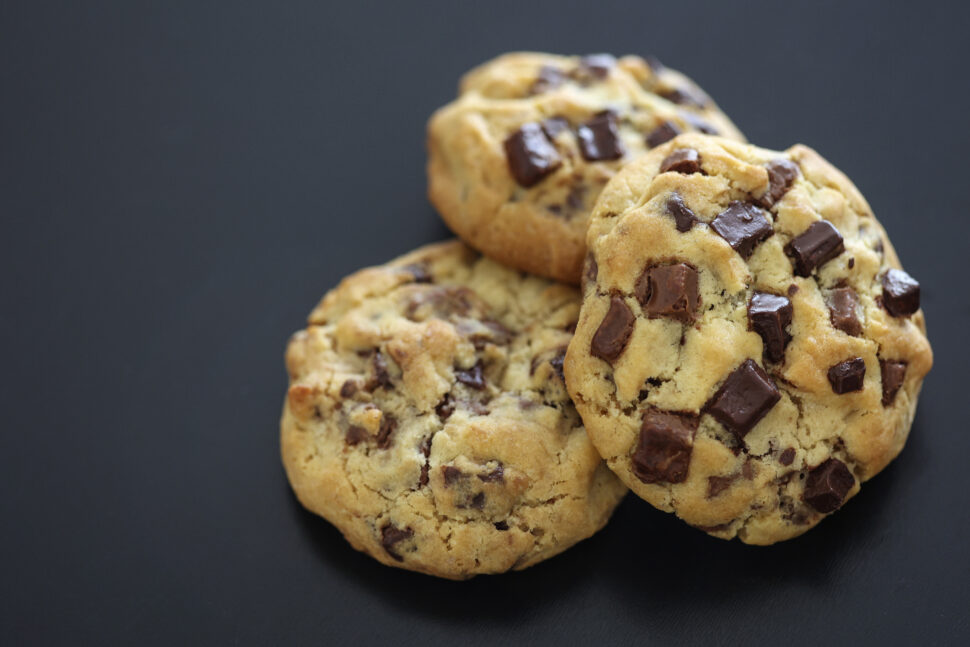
(518,160)
(427,417)
(749,349)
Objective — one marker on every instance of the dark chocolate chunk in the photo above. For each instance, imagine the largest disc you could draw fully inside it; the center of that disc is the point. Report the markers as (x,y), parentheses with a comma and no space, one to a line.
(556,364)
(745,397)
(494,333)
(471,377)
(787,457)
(792,290)
(781,175)
(355,435)
(391,535)
(497,475)
(827,485)
(682,160)
(478,501)
(531,154)
(680,212)
(501,525)
(664,448)
(685,96)
(819,244)
(599,138)
(900,293)
(614,331)
(549,78)
(743,226)
(419,273)
(445,408)
(381,378)
(388,425)
(843,305)
(425,451)
(554,125)
(848,376)
(348,389)
(450,474)
(595,66)
(662,133)
(893,373)
(697,123)
(769,315)
(717,484)
(669,291)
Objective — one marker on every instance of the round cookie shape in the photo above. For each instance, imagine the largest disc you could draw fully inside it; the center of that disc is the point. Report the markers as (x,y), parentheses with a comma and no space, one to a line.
(749,349)
(516,163)
(428,420)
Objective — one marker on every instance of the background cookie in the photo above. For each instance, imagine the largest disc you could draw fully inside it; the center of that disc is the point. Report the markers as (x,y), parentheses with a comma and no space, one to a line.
(518,160)
(427,417)
(748,350)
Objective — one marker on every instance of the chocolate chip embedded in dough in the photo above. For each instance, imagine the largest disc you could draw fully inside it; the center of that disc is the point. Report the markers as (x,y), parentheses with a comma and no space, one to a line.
(743,225)
(843,310)
(478,501)
(419,273)
(787,457)
(893,373)
(549,78)
(664,447)
(531,155)
(381,378)
(445,408)
(599,138)
(501,525)
(817,245)
(554,125)
(744,398)
(669,291)
(848,376)
(827,485)
(680,212)
(614,331)
(682,160)
(388,425)
(900,293)
(348,389)
(450,474)
(686,96)
(355,434)
(666,131)
(781,176)
(717,484)
(392,535)
(769,315)
(595,67)
(472,377)
(496,475)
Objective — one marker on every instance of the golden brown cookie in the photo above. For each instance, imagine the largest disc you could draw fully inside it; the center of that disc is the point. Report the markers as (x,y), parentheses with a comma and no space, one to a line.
(427,417)
(749,349)
(517,161)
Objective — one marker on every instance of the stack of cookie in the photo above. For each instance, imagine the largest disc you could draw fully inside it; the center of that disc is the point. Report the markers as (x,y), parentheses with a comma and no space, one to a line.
(745,349)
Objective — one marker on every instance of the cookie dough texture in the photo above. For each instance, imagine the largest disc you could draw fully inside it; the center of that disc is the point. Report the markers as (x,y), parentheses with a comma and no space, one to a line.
(596,114)
(427,417)
(748,388)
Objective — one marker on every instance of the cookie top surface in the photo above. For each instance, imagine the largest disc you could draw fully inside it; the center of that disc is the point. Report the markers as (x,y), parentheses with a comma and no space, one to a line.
(748,349)
(428,420)
(518,160)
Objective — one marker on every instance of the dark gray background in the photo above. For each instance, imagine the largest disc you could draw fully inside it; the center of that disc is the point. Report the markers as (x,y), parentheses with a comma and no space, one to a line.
(180,182)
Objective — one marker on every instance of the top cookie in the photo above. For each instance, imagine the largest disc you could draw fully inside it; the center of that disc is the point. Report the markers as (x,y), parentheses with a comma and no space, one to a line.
(518,160)
(428,420)
(749,349)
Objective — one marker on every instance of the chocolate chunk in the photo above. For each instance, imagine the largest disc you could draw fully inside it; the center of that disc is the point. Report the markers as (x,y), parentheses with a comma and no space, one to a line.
(595,66)
(388,425)
(478,501)
(900,293)
(827,485)
(893,373)
(669,291)
(355,435)
(445,408)
(745,397)
(819,244)
(494,333)
(843,305)
(743,226)
(556,364)
(531,154)
(787,457)
(717,484)
(781,175)
(848,376)
(501,525)
(471,377)
(697,123)
(599,138)
(554,125)
(419,273)
(614,331)
(685,96)
(450,474)
(682,160)
(680,212)
(348,389)
(549,78)
(381,378)
(425,451)
(664,448)
(662,133)
(391,535)
(769,315)
(497,475)
(792,290)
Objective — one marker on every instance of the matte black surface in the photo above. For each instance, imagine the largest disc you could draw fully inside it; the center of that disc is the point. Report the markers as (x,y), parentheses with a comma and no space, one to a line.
(179,184)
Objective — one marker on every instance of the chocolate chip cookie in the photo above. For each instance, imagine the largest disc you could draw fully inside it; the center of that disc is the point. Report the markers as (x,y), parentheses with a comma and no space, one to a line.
(749,349)
(427,417)
(517,161)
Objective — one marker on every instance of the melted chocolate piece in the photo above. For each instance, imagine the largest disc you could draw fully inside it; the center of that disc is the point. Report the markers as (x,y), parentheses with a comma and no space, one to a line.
(355,435)
(662,133)
(900,293)
(781,175)
(425,451)
(614,331)
(472,377)
(497,475)
(556,364)
(391,535)
(669,291)
(685,96)
(501,525)
(549,78)
(827,485)
(595,67)
(445,408)
(599,138)
(450,474)
(348,389)
(819,244)
(717,484)
(478,501)
(787,457)
(664,448)
(388,425)
(848,376)
(843,304)
(743,226)
(531,154)
(382,378)
(769,315)
(419,273)
(893,373)
(680,212)
(682,160)
(746,396)
(554,125)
